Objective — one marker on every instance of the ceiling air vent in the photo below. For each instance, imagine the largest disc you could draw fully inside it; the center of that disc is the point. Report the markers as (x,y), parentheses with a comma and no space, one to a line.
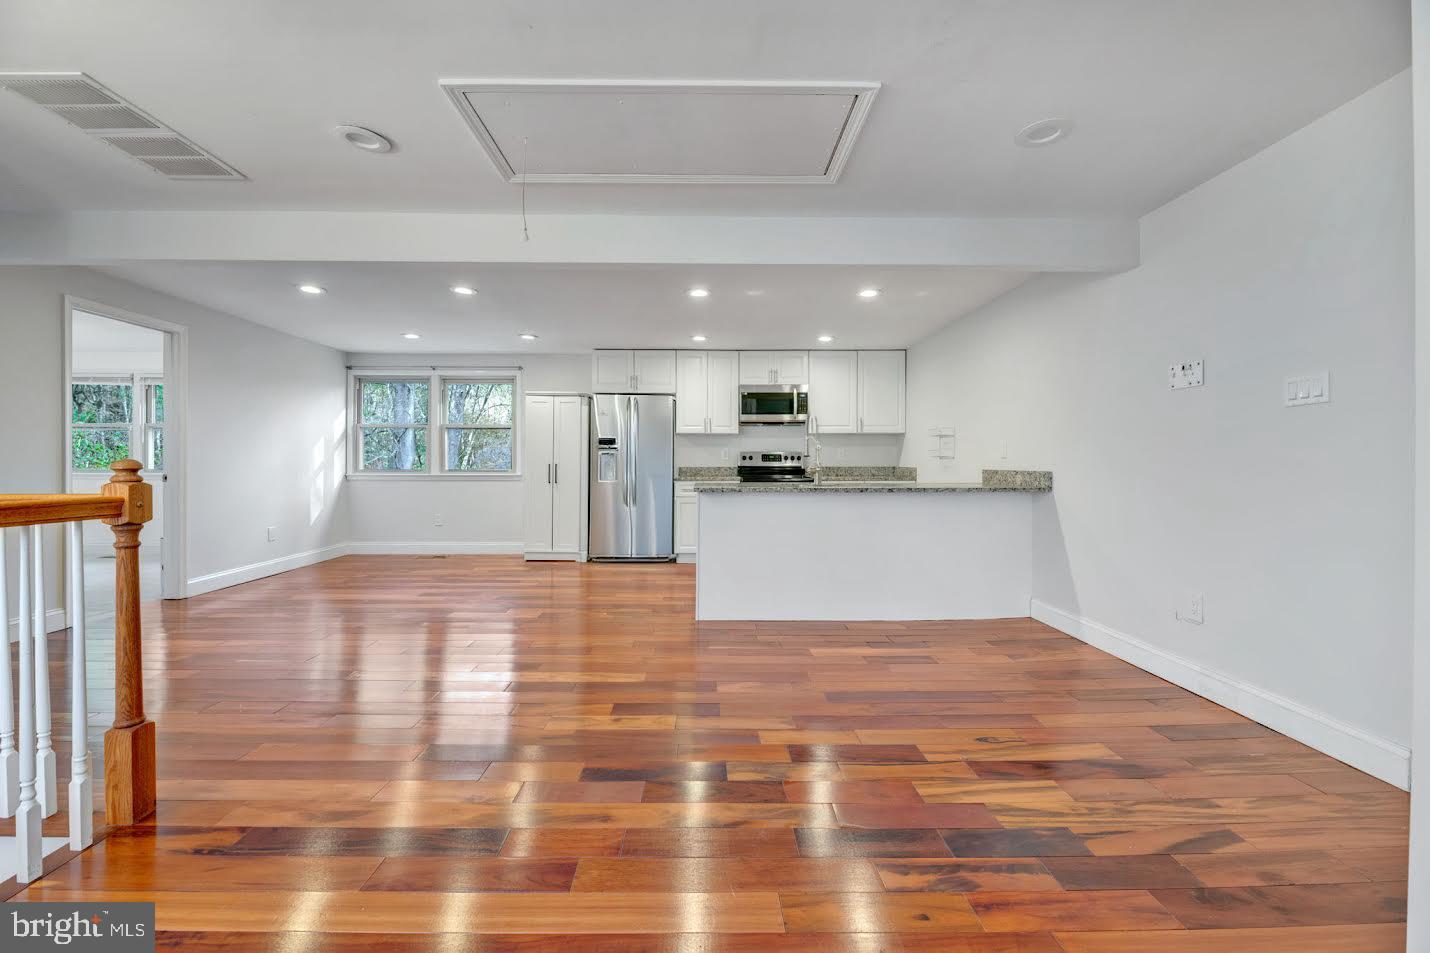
(664,131)
(85,104)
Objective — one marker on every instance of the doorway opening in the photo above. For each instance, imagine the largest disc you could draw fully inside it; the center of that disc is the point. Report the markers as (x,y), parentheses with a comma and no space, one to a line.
(122,400)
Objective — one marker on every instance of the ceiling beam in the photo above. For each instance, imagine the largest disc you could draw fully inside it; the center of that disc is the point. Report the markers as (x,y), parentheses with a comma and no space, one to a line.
(99,237)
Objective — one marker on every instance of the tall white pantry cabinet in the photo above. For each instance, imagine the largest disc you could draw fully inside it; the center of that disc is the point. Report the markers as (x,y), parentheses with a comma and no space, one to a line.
(556,475)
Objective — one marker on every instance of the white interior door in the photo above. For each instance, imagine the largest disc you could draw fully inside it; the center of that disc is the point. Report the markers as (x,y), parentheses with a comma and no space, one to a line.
(538,460)
(834,391)
(567,472)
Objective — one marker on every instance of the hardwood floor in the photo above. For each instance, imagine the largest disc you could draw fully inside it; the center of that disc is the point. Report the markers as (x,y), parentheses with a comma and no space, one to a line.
(472,753)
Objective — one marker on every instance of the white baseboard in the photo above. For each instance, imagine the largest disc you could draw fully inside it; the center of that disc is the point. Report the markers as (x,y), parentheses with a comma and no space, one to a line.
(436,549)
(1386,760)
(54,622)
(269,567)
(534,556)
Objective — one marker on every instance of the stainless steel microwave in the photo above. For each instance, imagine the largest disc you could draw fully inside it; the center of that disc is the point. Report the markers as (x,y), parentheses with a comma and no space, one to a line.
(774,404)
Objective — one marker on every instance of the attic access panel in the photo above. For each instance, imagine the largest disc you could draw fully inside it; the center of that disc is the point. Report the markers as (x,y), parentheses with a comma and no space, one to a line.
(664,132)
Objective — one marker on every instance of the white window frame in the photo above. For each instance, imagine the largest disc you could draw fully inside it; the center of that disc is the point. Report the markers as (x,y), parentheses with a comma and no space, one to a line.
(446,425)
(140,427)
(436,426)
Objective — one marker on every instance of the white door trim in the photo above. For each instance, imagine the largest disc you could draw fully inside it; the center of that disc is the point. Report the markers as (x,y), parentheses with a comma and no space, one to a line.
(173,581)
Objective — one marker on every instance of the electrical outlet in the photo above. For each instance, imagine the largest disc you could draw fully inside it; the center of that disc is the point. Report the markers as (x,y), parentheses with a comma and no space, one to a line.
(1185,374)
(273,534)
(1192,610)
(840,455)
(1003,450)
(436,519)
(724,453)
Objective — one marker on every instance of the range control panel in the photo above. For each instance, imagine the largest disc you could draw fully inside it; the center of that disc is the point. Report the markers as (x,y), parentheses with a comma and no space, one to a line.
(771,458)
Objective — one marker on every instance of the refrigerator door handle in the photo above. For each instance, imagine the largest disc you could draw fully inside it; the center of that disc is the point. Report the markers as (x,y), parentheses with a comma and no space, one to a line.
(626,475)
(635,441)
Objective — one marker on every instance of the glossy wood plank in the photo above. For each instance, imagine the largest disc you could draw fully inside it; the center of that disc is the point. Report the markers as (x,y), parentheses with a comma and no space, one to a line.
(891,913)
(532,758)
(1360,938)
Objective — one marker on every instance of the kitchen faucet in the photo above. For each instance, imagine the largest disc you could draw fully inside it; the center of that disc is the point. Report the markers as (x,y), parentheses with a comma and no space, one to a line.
(811,440)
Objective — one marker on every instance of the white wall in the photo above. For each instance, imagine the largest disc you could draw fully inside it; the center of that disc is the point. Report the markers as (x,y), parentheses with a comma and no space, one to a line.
(1418,928)
(396,514)
(266,423)
(1293,522)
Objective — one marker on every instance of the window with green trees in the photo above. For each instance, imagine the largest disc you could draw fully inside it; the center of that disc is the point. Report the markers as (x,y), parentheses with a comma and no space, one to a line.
(478,425)
(393,424)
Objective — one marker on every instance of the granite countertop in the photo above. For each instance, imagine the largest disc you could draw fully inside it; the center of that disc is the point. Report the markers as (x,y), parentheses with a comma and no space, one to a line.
(994,481)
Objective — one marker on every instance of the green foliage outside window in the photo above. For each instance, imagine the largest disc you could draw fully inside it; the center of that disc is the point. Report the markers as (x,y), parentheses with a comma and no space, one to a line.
(394,403)
(488,405)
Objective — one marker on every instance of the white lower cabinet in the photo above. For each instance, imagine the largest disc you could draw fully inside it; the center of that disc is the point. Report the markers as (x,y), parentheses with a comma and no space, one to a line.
(554,461)
(687,522)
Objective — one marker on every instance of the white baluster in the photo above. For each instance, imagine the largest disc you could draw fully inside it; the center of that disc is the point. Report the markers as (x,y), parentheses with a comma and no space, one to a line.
(47,785)
(9,758)
(28,852)
(81,785)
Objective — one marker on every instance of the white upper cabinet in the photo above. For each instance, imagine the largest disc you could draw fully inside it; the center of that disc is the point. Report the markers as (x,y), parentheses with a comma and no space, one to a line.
(615,372)
(723,407)
(655,372)
(881,392)
(707,398)
(834,391)
(634,372)
(857,391)
(692,391)
(774,367)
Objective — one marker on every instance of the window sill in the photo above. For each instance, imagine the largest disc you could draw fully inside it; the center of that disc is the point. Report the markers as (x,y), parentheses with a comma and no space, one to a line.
(459,477)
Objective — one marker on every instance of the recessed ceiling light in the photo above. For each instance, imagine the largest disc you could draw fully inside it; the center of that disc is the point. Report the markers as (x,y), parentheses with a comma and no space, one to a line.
(527,337)
(755,292)
(1044,132)
(699,292)
(868,292)
(824,339)
(411,336)
(360,137)
(698,338)
(311,289)
(463,290)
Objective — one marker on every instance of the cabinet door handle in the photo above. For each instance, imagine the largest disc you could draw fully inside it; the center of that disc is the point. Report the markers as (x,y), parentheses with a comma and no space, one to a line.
(861,424)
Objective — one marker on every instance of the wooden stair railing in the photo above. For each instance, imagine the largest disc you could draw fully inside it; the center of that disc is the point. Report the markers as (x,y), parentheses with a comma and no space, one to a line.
(28,788)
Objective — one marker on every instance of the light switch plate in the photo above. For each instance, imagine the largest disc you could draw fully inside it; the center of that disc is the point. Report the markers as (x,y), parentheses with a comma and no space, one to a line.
(1308,389)
(1185,374)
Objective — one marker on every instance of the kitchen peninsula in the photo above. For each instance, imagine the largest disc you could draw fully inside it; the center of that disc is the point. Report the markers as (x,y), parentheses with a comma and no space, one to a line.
(867,550)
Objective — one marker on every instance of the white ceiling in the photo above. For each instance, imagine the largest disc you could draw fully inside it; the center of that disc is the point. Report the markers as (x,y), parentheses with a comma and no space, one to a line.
(369,305)
(1164,95)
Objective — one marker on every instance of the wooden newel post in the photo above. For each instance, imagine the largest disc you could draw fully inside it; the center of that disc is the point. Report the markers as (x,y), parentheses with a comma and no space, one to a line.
(129,747)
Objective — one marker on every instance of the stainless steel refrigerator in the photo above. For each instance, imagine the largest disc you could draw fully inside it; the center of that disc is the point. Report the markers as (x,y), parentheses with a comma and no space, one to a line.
(632,474)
